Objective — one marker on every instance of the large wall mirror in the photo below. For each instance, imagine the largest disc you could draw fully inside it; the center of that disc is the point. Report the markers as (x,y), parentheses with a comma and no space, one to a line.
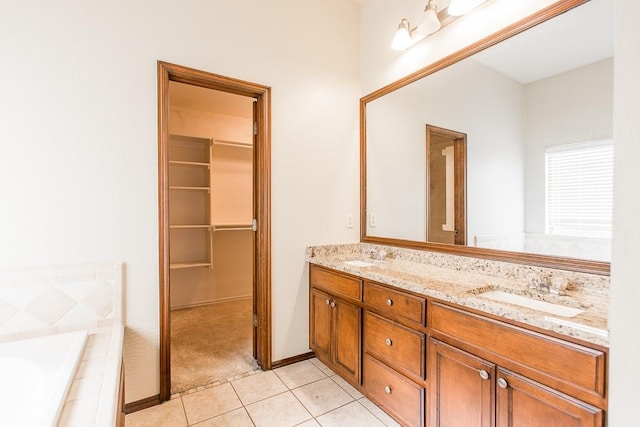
(502,150)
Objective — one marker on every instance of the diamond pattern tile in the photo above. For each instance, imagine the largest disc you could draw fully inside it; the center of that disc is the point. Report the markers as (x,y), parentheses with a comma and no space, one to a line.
(56,299)
(51,306)
(100,300)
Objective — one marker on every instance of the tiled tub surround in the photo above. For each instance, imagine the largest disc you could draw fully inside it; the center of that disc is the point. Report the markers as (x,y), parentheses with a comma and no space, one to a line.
(460,280)
(38,302)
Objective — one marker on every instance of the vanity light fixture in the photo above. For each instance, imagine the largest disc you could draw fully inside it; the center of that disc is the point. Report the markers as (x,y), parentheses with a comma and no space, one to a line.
(406,36)
(460,7)
(430,22)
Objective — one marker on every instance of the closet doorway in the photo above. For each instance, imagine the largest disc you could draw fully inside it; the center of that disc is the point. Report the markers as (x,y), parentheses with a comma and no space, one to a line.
(214,228)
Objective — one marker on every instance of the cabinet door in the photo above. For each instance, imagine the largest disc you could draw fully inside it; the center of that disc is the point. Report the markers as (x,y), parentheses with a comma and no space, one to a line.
(346,329)
(461,388)
(523,402)
(320,324)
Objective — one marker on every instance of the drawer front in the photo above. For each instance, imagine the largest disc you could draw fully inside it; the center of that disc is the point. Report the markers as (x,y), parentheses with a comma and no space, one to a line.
(550,360)
(398,346)
(335,283)
(397,395)
(394,302)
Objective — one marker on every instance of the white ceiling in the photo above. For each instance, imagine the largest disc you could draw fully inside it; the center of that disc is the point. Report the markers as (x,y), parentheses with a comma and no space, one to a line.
(209,100)
(582,36)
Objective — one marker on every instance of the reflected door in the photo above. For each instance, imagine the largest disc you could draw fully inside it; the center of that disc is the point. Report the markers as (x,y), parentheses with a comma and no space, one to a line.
(446,185)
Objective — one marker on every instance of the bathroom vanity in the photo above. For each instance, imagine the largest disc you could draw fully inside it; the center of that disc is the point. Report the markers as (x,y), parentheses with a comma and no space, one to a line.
(422,336)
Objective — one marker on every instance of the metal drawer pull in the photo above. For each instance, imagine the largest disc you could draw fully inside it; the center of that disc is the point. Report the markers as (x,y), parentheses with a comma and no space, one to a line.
(484,374)
(387,389)
(326,301)
(388,341)
(389,301)
(333,304)
(502,383)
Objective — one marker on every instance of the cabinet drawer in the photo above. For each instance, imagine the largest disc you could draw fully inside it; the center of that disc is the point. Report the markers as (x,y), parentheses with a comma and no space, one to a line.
(552,361)
(396,345)
(396,394)
(335,283)
(394,302)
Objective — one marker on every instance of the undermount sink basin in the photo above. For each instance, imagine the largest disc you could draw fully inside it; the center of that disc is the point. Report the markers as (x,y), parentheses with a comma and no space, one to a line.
(533,304)
(359,263)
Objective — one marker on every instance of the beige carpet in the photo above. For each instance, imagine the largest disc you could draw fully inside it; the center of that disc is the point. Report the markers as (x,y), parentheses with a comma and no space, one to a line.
(211,343)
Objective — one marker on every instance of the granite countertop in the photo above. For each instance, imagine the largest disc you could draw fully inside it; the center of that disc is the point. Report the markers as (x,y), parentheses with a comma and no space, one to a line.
(462,280)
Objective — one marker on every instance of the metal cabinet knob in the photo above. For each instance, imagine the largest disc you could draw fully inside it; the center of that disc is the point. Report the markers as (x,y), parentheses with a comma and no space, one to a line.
(502,383)
(327,301)
(484,374)
(387,389)
(389,301)
(388,341)
(333,304)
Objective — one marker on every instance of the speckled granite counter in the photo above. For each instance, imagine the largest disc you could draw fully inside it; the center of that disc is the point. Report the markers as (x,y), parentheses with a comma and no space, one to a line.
(462,280)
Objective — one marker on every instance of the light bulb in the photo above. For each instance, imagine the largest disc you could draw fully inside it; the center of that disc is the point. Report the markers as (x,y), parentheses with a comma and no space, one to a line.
(430,22)
(402,39)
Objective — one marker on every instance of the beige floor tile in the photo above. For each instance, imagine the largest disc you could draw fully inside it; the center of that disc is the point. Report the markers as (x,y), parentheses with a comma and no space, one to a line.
(235,418)
(169,414)
(347,387)
(322,396)
(310,423)
(210,402)
(379,413)
(299,374)
(352,415)
(283,410)
(324,368)
(258,387)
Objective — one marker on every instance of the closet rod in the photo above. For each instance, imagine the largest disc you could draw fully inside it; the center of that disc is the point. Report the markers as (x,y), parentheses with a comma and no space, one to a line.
(232,143)
(248,227)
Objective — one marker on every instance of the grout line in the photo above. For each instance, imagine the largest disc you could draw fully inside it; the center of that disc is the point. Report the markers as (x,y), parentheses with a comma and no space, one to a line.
(184,411)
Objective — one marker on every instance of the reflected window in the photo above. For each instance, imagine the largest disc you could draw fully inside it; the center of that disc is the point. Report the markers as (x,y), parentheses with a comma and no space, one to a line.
(579,189)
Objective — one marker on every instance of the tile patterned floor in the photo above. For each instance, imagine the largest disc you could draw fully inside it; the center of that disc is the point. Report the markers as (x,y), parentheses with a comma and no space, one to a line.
(305,394)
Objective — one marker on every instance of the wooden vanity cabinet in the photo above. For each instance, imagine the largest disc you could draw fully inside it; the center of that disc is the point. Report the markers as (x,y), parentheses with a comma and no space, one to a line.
(335,318)
(425,361)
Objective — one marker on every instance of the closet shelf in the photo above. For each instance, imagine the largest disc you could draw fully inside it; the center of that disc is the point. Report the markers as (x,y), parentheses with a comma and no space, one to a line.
(236,144)
(179,265)
(185,163)
(173,187)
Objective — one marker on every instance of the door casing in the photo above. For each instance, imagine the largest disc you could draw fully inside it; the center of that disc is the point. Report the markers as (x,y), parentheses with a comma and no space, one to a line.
(261,206)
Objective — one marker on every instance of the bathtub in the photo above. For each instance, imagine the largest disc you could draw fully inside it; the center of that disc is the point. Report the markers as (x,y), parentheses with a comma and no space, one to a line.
(35,377)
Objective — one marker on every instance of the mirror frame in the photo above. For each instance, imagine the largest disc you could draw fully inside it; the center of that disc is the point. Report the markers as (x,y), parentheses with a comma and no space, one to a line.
(548,261)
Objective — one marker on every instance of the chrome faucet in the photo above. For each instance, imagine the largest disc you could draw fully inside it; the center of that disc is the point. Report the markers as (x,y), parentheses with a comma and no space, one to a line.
(380,254)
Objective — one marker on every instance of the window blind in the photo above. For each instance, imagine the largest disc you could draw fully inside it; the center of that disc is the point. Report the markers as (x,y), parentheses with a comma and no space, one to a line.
(579,189)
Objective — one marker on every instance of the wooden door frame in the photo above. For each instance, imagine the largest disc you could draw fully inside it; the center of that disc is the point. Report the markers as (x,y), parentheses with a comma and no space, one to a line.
(262,206)
(460,178)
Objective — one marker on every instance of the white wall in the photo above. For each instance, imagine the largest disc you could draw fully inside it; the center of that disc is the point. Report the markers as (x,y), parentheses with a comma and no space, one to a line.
(575,106)
(78,113)
(624,316)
